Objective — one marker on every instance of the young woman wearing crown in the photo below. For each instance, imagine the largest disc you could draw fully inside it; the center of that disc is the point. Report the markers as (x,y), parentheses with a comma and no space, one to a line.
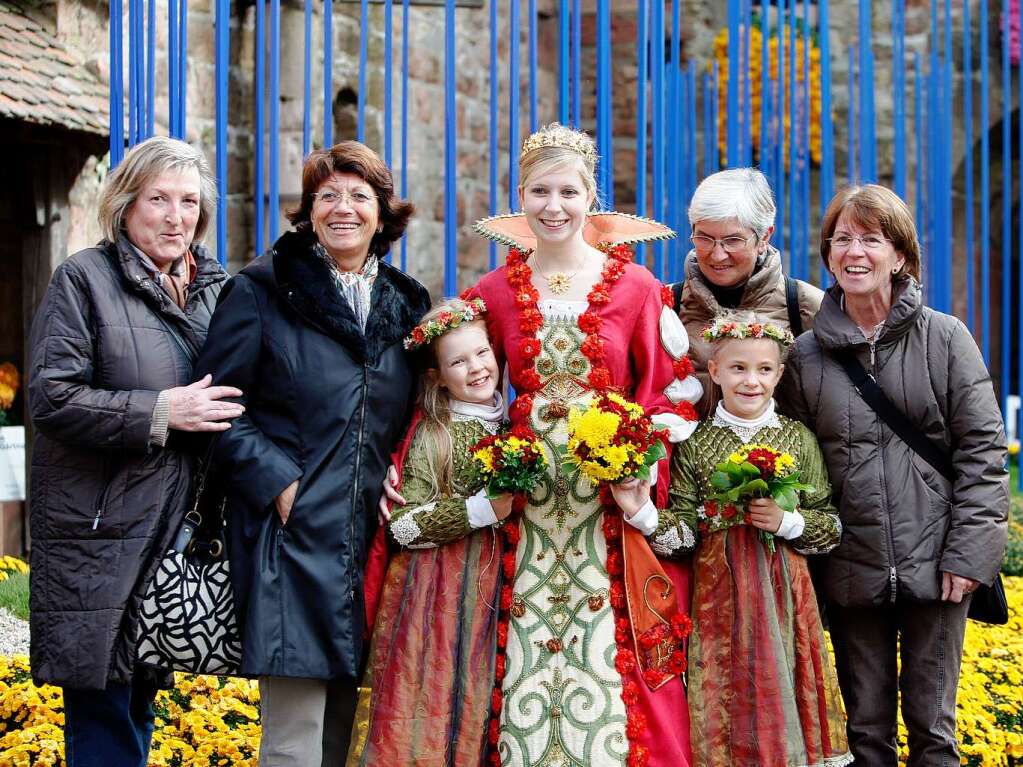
(571,316)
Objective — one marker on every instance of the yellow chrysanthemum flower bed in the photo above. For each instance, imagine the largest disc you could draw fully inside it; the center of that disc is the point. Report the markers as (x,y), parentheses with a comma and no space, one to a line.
(10,565)
(207,721)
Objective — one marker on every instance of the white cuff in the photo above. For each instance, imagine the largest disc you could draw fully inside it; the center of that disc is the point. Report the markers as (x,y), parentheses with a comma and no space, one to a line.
(679,429)
(653,473)
(481,512)
(646,519)
(792,524)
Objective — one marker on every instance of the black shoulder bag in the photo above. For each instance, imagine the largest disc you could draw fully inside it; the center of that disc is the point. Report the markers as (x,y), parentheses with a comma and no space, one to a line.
(988,604)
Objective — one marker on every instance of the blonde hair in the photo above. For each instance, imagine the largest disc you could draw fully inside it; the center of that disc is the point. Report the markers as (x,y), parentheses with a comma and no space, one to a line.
(555,147)
(435,402)
(141,166)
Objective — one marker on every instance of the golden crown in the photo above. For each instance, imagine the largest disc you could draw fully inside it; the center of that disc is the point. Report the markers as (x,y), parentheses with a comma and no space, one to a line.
(558,135)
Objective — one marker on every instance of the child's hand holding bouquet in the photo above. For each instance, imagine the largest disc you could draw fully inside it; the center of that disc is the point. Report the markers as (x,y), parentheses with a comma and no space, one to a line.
(510,462)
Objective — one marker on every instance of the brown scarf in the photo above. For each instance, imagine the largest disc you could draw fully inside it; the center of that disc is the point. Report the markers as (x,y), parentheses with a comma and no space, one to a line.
(181,275)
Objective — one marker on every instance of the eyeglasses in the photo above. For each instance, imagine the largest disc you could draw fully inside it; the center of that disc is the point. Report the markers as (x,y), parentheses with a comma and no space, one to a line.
(332,197)
(871,242)
(733,244)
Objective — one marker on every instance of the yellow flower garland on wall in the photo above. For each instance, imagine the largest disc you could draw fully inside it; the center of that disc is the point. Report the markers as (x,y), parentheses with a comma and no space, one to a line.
(756,42)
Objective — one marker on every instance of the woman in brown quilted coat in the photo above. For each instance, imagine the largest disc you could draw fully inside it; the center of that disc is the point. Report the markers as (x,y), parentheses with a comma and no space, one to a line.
(915,545)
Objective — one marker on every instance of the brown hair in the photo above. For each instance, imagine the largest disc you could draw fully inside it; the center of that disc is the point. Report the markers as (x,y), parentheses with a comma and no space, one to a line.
(142,164)
(357,158)
(875,207)
(435,403)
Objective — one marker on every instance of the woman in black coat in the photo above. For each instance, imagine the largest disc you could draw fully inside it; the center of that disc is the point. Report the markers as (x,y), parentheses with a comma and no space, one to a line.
(311,332)
(110,392)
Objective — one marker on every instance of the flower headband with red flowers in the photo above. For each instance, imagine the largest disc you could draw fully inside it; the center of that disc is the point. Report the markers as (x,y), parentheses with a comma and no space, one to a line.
(726,328)
(426,332)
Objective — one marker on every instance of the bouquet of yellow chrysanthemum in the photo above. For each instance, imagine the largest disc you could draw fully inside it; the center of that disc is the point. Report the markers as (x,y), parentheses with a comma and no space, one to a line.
(512,462)
(9,383)
(612,440)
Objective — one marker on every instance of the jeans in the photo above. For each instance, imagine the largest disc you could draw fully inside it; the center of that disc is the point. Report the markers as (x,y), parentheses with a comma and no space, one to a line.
(111,727)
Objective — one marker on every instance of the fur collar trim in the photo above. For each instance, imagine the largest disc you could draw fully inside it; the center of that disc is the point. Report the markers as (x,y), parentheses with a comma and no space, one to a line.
(304,283)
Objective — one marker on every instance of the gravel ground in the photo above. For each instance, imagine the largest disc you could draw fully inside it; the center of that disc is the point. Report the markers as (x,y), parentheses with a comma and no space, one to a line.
(13,634)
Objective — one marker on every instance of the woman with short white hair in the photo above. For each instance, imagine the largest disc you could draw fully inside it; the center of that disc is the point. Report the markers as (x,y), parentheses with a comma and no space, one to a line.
(110,388)
(733,265)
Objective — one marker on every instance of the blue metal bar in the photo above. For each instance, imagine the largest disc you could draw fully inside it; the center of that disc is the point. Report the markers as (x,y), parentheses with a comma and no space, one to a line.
(404,122)
(604,102)
(899,94)
(328,72)
(307,81)
(918,130)
(360,128)
(513,105)
(132,73)
(1008,310)
(827,172)
(532,67)
(116,86)
(564,45)
(708,125)
(494,93)
(680,121)
(222,30)
(733,156)
(642,59)
(577,47)
(151,70)
(868,149)
(804,168)
(782,106)
(793,99)
(985,192)
(747,86)
(450,157)
(851,130)
(1004,367)
(388,87)
(173,49)
(182,68)
(657,138)
(143,74)
(715,104)
(765,92)
(968,118)
(259,131)
(274,206)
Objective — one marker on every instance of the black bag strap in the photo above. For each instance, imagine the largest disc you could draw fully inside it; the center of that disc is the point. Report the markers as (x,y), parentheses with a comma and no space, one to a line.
(792,304)
(895,418)
(676,291)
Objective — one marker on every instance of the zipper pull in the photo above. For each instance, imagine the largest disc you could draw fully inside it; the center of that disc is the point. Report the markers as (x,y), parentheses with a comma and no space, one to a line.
(95,520)
(893,580)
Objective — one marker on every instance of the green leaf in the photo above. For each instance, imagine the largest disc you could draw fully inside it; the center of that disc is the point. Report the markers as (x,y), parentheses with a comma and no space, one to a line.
(749,470)
(786,498)
(719,480)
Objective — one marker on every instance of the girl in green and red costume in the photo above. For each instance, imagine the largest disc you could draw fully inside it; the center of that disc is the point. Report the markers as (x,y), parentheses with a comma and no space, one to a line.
(762,687)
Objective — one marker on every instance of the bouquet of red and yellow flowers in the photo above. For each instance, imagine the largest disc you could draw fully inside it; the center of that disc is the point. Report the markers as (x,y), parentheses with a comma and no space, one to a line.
(612,440)
(752,471)
(510,462)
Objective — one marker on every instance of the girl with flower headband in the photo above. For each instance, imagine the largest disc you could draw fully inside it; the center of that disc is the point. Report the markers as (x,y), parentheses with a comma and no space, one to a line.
(572,316)
(431,663)
(762,689)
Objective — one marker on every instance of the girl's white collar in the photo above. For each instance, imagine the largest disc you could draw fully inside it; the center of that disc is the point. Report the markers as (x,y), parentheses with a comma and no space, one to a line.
(748,426)
(493,413)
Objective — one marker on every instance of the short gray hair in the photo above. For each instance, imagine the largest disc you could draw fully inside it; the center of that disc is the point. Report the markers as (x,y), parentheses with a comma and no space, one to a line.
(741,193)
(140,166)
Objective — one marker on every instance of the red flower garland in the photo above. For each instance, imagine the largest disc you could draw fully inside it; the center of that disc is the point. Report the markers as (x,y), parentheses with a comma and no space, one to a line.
(519,276)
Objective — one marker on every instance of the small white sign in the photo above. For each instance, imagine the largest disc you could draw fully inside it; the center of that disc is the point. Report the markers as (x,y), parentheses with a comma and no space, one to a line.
(12,463)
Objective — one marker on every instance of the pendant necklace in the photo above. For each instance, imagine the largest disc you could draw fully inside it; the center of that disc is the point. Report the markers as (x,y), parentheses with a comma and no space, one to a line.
(558,282)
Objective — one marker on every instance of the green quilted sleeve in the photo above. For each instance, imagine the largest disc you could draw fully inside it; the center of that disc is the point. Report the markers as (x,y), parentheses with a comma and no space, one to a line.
(823,530)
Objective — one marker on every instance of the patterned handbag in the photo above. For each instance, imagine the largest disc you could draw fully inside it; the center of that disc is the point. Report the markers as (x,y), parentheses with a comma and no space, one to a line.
(187,620)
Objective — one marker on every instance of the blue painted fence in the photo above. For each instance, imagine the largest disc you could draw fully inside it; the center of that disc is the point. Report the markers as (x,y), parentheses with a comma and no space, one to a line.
(673,98)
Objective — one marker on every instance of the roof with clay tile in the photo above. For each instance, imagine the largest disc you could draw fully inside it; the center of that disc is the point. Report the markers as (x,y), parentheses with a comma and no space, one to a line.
(40,82)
